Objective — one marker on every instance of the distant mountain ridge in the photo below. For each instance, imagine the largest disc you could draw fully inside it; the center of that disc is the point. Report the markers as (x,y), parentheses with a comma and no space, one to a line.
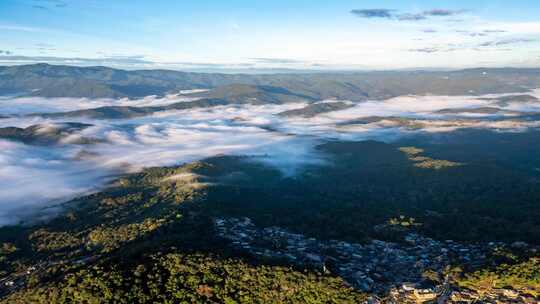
(231,94)
(46,80)
(45,134)
(313,110)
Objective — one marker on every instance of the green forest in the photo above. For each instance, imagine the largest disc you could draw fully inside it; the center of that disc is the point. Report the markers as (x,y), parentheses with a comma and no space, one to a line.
(149,237)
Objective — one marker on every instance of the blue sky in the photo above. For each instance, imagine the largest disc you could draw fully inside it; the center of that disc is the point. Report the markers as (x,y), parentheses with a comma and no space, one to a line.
(297,34)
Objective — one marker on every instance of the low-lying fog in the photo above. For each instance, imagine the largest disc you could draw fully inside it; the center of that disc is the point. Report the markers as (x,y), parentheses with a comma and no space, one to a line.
(37,176)
(28,105)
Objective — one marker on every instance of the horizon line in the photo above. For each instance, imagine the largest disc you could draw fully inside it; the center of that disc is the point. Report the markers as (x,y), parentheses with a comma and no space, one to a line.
(277,70)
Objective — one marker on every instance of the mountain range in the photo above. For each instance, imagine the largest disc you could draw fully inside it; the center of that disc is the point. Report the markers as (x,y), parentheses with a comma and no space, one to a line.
(364,187)
(46,80)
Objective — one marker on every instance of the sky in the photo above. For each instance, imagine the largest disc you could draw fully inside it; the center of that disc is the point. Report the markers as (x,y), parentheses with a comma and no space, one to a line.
(278,34)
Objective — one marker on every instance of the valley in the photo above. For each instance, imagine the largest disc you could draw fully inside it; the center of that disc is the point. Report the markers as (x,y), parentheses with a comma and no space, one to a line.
(256,192)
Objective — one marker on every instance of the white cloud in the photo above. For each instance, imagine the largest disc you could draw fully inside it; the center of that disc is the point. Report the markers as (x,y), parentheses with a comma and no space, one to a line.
(28,105)
(50,174)
(36,177)
(21,28)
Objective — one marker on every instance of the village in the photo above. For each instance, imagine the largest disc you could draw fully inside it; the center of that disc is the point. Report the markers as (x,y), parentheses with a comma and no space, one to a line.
(16,281)
(409,272)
